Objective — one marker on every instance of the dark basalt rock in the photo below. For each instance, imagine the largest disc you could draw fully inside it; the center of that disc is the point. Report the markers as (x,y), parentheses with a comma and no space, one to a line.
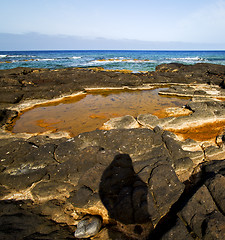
(5,115)
(128,177)
(204,73)
(118,169)
(178,231)
(45,83)
(8,97)
(18,220)
(198,208)
(128,174)
(222,84)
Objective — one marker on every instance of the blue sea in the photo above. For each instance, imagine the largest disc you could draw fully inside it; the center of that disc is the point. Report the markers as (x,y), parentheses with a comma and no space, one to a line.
(132,60)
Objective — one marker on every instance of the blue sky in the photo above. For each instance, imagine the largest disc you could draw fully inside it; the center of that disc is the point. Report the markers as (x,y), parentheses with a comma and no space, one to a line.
(188,21)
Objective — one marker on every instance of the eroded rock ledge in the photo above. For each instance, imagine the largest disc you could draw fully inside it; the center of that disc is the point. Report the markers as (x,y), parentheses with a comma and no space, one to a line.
(140,183)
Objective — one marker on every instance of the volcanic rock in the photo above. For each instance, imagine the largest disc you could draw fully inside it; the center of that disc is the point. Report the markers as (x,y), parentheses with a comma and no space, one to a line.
(141,182)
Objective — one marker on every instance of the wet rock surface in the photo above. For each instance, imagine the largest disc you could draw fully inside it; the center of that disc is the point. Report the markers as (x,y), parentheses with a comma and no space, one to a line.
(125,183)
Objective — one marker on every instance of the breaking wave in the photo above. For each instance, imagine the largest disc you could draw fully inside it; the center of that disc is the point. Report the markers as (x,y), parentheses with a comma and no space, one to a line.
(75,57)
(187,59)
(120,60)
(19,56)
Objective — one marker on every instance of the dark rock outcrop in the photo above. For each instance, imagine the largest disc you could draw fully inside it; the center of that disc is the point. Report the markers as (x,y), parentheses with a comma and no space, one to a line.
(128,177)
(140,183)
(114,174)
(28,83)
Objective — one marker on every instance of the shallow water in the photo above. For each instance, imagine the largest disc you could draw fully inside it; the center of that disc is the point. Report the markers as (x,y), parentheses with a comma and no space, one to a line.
(117,59)
(89,111)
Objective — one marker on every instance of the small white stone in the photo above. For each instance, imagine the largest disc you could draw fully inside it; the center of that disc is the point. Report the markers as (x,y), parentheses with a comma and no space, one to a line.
(88,226)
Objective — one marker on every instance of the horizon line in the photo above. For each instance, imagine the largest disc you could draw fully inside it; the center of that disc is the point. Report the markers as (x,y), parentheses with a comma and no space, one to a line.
(156,50)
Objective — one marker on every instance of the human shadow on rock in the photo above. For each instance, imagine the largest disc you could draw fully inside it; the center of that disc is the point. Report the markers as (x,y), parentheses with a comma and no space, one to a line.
(123,193)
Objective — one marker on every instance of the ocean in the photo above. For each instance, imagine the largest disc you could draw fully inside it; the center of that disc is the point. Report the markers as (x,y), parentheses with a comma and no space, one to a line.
(133,60)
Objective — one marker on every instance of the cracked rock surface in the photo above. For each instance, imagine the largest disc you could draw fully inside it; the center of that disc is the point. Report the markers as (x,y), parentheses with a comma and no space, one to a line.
(135,181)
(128,177)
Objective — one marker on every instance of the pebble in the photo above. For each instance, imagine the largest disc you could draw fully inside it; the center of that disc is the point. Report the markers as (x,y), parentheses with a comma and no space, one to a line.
(88,226)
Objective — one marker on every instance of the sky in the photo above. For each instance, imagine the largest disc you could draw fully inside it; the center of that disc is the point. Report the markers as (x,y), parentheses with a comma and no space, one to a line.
(99,24)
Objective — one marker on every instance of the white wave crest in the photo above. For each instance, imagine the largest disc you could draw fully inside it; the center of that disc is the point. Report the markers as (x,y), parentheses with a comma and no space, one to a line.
(2,56)
(43,59)
(19,56)
(75,57)
(35,60)
(187,59)
(120,60)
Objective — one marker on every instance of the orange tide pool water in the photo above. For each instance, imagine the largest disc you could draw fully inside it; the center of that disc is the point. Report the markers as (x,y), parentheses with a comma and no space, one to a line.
(89,111)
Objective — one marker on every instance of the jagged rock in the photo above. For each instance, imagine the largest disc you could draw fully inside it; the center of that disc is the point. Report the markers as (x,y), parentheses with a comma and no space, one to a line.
(88,226)
(197,210)
(203,212)
(213,167)
(214,226)
(214,153)
(5,115)
(178,231)
(216,187)
(169,185)
(124,122)
(180,159)
(20,220)
(222,84)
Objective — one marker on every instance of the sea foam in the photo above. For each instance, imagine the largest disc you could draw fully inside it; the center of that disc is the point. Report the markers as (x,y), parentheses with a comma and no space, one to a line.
(187,59)
(75,57)
(120,60)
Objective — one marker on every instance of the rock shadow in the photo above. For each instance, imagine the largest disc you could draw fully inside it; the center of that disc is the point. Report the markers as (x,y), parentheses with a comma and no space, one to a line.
(123,193)
(23,219)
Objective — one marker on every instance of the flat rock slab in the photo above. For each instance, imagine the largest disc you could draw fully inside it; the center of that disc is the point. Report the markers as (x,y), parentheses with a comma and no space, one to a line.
(126,177)
(114,174)
(202,90)
(125,122)
(200,113)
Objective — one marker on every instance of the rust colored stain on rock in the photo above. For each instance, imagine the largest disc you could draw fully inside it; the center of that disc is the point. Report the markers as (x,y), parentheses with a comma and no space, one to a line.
(204,132)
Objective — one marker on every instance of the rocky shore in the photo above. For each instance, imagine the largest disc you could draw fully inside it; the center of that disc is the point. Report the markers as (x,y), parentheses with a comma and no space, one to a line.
(136,178)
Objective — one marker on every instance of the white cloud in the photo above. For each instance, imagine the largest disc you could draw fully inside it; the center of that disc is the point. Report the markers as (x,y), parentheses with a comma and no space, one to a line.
(204,25)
